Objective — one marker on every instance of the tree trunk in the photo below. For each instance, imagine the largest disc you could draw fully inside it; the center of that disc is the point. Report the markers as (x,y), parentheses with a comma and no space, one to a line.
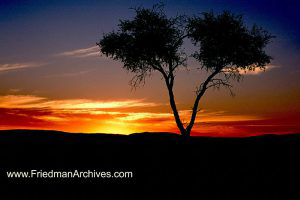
(186,132)
(194,113)
(175,111)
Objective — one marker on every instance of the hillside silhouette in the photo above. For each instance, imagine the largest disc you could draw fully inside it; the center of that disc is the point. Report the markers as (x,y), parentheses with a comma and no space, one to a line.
(164,166)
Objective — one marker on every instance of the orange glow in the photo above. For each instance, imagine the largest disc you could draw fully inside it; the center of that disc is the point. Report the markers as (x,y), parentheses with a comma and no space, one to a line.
(82,115)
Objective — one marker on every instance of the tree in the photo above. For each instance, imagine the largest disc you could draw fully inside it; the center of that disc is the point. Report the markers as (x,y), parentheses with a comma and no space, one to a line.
(153,42)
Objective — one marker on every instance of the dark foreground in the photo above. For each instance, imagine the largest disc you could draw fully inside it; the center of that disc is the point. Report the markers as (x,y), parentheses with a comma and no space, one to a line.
(164,166)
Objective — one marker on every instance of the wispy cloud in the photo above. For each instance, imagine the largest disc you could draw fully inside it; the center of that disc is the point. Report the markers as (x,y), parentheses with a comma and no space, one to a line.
(17,66)
(257,70)
(115,116)
(27,111)
(14,90)
(277,124)
(71,74)
(85,115)
(82,53)
(29,101)
(19,101)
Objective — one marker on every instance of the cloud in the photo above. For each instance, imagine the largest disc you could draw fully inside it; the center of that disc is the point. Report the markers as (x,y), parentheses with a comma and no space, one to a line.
(84,109)
(14,90)
(82,53)
(277,124)
(86,115)
(29,101)
(71,74)
(19,101)
(17,66)
(91,108)
(257,71)
(28,111)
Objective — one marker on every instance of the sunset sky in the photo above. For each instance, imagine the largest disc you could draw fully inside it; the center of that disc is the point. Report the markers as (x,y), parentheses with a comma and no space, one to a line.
(52,75)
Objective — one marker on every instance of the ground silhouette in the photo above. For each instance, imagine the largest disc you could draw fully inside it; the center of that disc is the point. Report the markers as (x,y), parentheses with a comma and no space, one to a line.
(165,166)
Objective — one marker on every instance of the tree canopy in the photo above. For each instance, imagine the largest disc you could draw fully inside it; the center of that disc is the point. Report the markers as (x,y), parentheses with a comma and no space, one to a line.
(151,41)
(225,41)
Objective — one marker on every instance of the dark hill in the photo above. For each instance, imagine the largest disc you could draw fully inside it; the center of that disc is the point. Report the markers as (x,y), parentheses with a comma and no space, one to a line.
(164,166)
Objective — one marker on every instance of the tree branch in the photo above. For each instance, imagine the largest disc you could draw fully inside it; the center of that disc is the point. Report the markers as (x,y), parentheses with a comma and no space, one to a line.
(203,87)
(217,83)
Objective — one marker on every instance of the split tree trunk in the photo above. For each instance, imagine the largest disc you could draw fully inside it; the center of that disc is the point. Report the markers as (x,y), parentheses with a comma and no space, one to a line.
(186,132)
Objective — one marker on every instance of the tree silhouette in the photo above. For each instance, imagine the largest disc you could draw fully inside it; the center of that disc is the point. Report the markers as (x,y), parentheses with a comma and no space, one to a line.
(153,42)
